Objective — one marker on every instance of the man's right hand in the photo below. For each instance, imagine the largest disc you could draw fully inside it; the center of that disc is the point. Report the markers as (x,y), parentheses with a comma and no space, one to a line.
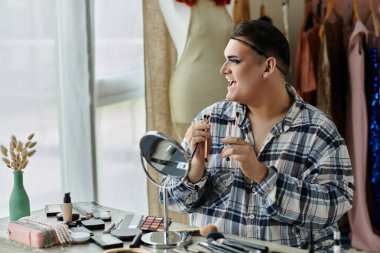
(198,133)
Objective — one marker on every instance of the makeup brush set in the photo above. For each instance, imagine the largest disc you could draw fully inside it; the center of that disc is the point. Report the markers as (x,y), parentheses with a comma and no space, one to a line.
(217,242)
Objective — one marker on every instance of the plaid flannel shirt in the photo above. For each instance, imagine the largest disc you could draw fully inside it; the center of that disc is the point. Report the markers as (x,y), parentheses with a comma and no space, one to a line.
(309,181)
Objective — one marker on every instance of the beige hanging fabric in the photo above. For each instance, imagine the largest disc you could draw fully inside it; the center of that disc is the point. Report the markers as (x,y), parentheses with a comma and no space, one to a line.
(160,59)
(241,11)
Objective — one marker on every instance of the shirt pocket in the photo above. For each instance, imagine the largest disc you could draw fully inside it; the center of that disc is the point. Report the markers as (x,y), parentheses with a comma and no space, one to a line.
(220,188)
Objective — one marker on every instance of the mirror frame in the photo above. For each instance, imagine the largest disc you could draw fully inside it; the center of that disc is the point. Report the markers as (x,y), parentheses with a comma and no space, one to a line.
(175,144)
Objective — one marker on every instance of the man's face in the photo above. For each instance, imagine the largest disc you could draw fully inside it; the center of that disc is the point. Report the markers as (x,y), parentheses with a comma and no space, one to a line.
(243,70)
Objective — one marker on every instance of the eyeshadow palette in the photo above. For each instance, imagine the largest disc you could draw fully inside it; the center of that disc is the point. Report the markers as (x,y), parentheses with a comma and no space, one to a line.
(152,223)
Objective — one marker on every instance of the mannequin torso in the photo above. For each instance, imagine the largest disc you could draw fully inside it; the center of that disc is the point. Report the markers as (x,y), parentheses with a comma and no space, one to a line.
(200,34)
(177,19)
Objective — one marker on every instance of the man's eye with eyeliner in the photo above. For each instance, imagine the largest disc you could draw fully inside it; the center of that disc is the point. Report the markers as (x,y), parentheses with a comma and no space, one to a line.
(234,61)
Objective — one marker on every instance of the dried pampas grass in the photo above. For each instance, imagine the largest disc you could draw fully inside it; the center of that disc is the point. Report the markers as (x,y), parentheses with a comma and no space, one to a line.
(17,157)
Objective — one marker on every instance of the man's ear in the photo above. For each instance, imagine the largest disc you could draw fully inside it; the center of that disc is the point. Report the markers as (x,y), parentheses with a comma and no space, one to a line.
(270,66)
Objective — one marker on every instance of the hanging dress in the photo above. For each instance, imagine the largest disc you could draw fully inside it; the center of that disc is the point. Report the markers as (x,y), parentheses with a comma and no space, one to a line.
(362,236)
(306,67)
(333,82)
(373,161)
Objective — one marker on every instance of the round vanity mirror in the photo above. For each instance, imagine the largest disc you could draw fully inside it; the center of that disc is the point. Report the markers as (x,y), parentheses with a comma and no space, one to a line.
(165,155)
(161,155)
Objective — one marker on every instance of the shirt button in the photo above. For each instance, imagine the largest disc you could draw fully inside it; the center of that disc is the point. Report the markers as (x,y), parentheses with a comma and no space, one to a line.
(252,216)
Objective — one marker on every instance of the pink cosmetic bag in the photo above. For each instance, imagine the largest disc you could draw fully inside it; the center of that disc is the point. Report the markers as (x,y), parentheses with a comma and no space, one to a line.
(38,233)
(30,236)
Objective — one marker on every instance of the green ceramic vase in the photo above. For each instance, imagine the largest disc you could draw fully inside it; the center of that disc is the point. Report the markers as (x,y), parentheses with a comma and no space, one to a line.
(19,205)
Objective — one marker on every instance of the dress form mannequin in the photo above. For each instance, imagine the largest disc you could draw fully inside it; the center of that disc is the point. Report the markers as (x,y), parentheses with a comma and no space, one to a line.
(200,34)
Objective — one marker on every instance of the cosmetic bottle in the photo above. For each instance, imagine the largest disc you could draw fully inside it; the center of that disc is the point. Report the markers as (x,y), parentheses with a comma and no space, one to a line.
(337,246)
(67,208)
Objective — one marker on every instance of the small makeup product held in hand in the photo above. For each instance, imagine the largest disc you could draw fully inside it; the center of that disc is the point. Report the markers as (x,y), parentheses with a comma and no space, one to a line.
(232,132)
(228,134)
(235,134)
(236,122)
(206,119)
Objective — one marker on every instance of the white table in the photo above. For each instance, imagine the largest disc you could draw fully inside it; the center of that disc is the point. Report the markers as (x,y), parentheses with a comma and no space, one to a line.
(7,246)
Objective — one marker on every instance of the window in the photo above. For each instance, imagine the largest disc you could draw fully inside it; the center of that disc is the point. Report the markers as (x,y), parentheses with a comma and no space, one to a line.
(29,96)
(45,89)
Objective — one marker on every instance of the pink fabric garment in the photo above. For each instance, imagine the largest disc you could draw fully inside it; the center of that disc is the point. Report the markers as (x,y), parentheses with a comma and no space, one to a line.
(307,62)
(362,235)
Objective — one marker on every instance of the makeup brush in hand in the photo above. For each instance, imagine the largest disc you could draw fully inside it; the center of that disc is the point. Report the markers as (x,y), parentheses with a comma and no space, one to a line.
(206,119)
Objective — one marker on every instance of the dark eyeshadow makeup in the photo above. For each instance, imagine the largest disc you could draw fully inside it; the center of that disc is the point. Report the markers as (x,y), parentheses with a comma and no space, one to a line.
(152,223)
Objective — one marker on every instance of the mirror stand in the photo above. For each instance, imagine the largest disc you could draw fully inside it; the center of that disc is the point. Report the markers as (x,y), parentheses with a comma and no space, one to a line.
(168,158)
(165,239)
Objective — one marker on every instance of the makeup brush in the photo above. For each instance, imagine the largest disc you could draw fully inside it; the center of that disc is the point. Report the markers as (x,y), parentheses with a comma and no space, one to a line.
(206,117)
(212,248)
(228,135)
(238,244)
(234,132)
(136,242)
(237,121)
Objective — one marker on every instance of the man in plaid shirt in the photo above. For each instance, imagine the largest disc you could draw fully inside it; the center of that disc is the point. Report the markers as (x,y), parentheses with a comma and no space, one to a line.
(267,164)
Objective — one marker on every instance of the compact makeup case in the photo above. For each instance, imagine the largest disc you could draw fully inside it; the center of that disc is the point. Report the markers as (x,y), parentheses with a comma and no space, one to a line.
(38,233)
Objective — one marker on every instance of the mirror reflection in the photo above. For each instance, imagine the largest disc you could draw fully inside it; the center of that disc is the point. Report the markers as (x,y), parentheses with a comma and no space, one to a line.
(164,154)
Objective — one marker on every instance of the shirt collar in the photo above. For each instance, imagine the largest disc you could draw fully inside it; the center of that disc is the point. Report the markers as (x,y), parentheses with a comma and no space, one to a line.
(296,116)
(229,113)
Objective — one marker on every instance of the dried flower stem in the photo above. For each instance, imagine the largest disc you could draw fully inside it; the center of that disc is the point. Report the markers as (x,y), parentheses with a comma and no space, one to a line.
(18,153)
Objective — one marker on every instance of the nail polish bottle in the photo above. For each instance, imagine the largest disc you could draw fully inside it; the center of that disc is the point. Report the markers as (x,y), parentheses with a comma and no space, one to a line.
(67,208)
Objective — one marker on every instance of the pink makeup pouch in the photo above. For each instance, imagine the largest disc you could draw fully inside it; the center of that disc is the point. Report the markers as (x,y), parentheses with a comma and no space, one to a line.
(38,234)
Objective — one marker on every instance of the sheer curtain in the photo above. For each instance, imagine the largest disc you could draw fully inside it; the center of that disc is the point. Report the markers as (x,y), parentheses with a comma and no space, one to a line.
(47,77)
(120,104)
(29,96)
